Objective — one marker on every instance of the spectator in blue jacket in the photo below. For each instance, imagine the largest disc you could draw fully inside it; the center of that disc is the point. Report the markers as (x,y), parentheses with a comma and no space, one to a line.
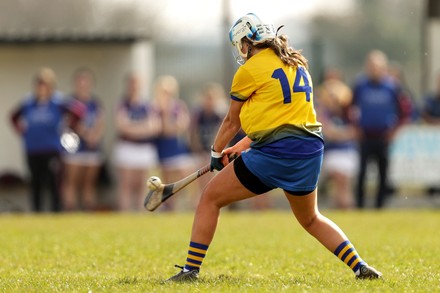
(377,114)
(39,119)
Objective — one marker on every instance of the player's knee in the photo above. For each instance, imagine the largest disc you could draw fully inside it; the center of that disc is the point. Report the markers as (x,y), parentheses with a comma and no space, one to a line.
(210,198)
(308,221)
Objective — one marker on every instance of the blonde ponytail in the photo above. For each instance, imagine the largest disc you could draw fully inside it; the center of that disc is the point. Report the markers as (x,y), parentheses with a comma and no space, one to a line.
(287,54)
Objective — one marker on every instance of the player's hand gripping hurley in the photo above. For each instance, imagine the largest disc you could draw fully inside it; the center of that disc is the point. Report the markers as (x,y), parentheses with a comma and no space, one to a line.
(159,192)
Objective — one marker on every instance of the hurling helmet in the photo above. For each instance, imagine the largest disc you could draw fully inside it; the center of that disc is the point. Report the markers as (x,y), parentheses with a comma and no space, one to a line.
(251,27)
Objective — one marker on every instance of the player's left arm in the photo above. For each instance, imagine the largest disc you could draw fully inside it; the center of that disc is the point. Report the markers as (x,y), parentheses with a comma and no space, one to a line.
(239,147)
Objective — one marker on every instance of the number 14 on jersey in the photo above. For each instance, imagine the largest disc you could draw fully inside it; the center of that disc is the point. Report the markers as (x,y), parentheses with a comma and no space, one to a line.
(301,75)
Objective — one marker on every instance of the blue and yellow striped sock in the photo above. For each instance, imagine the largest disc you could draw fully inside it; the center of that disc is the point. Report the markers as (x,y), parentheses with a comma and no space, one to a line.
(196,253)
(348,254)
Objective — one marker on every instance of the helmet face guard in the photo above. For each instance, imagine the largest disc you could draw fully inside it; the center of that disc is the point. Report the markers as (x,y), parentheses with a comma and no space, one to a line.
(239,57)
(251,27)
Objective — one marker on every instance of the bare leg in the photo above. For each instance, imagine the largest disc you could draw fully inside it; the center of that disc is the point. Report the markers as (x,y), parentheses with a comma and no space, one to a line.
(139,187)
(329,234)
(216,195)
(90,176)
(222,190)
(342,188)
(261,202)
(202,160)
(305,209)
(70,185)
(124,189)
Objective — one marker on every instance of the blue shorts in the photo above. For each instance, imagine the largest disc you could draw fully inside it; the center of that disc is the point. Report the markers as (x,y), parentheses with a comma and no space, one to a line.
(296,176)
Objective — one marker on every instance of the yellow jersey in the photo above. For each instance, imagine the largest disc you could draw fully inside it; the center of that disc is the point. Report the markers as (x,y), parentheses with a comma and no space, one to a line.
(278,99)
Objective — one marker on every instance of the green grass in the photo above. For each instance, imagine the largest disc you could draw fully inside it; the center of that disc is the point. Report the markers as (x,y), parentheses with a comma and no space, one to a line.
(252,252)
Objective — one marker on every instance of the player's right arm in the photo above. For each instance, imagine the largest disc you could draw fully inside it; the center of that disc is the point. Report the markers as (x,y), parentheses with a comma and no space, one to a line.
(228,129)
(243,86)
(230,126)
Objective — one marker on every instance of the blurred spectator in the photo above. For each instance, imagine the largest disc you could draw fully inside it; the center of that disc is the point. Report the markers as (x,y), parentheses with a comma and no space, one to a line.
(206,119)
(172,144)
(82,166)
(39,119)
(135,153)
(431,105)
(377,114)
(341,158)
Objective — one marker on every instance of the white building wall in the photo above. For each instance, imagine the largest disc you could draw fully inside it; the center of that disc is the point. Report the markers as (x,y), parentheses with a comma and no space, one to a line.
(433,50)
(19,63)
(434,43)
(143,62)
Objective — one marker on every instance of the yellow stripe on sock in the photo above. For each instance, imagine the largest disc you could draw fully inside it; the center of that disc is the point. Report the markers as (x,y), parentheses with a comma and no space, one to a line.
(344,250)
(193,249)
(347,259)
(356,261)
(192,264)
(198,258)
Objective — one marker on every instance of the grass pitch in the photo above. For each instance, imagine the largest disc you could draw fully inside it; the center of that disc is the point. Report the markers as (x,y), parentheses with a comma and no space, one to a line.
(252,252)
